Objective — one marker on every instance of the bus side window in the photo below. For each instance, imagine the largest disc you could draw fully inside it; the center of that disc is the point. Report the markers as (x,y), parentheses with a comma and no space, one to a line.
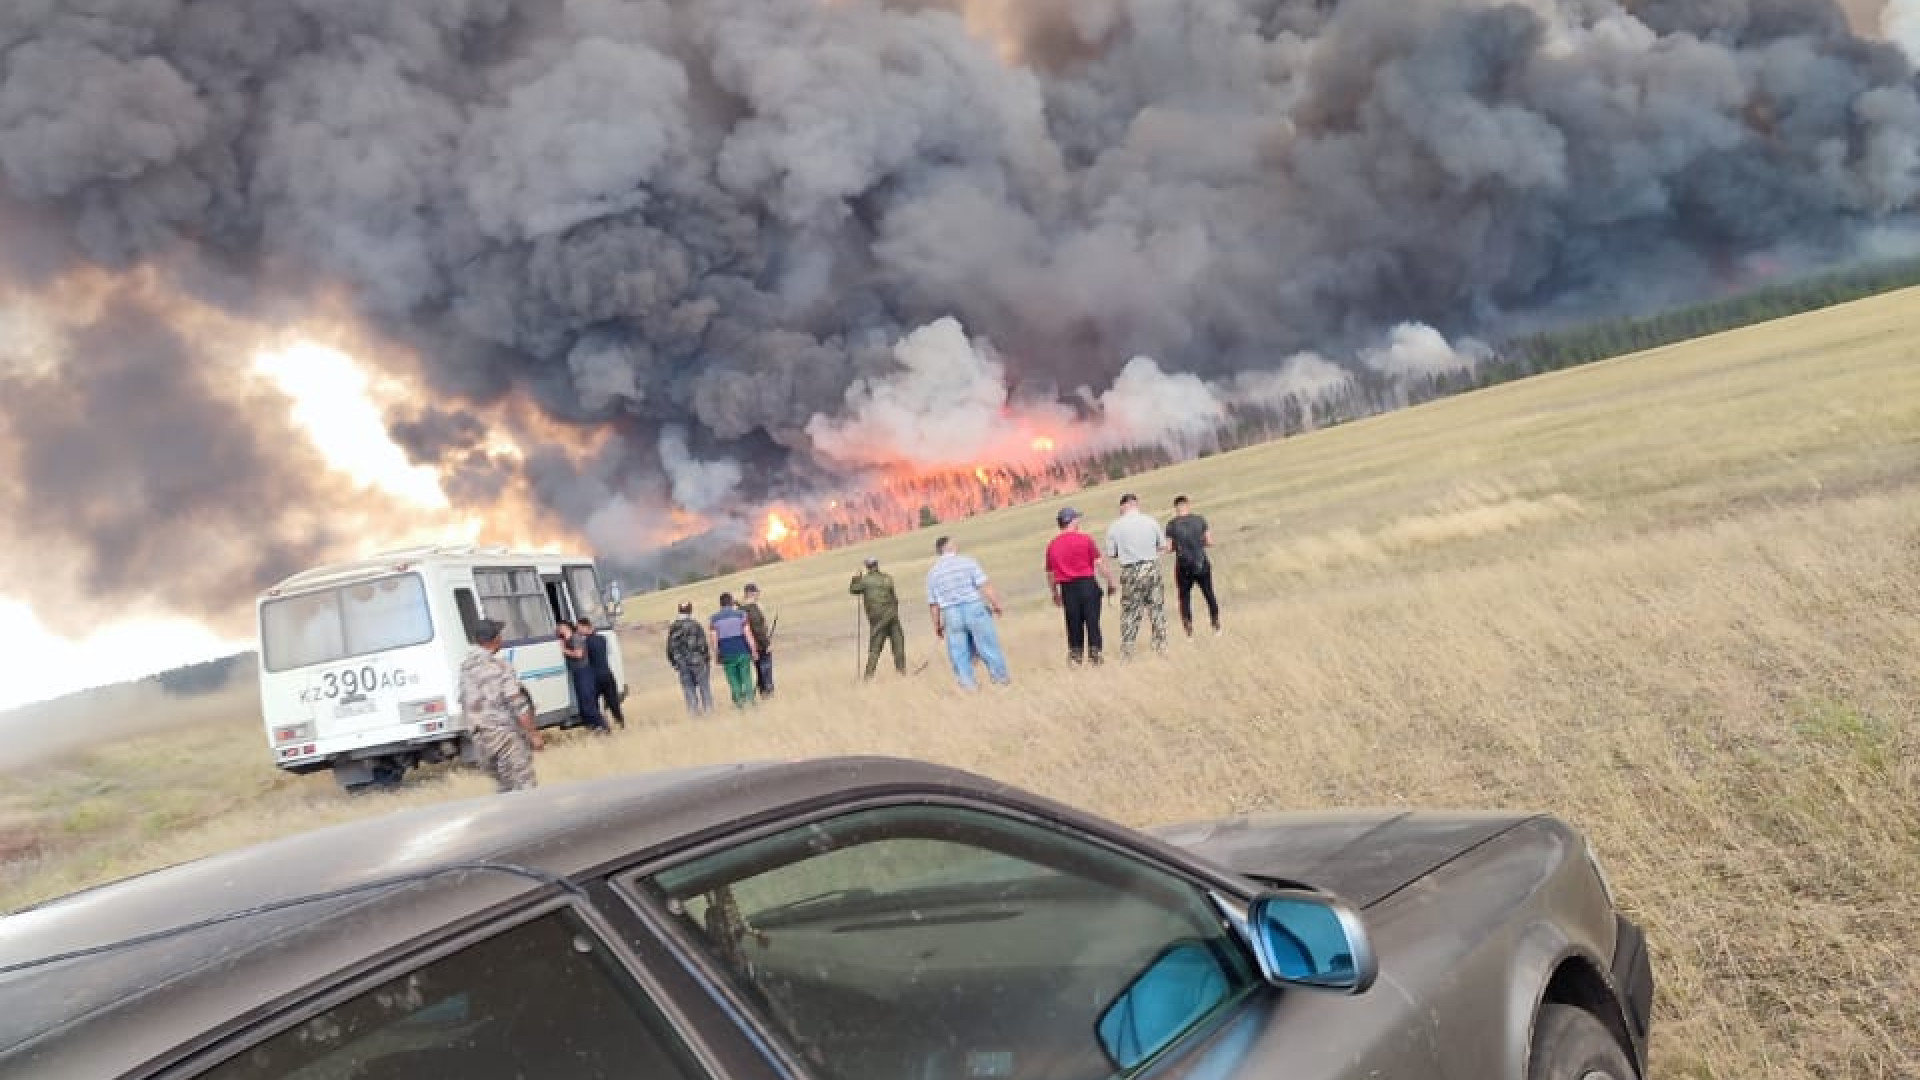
(469,611)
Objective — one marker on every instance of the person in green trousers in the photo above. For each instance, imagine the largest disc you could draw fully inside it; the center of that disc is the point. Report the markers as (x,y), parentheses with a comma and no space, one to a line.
(733,644)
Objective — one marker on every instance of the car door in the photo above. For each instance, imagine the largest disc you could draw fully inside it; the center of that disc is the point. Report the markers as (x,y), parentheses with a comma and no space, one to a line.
(545,996)
(966,942)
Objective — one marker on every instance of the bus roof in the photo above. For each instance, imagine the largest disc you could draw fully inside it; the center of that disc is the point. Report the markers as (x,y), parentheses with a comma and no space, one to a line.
(389,562)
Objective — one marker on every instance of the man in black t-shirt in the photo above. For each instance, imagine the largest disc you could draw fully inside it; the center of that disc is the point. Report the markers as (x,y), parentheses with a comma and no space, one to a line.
(1188,533)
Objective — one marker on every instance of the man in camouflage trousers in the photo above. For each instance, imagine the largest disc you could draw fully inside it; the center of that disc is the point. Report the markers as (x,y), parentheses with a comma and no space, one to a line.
(1136,542)
(875,590)
(499,711)
(692,660)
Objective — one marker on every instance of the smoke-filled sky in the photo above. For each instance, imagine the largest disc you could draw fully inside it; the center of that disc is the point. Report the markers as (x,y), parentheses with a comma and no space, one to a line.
(623,258)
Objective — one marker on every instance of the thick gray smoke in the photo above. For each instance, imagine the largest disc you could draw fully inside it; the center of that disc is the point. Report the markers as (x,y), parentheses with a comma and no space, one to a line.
(703,230)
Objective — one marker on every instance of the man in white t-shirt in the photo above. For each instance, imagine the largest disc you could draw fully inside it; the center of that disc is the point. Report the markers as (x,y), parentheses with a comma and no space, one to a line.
(1136,542)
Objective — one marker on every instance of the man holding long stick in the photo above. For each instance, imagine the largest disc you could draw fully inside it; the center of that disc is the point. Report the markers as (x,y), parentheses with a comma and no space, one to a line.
(882,607)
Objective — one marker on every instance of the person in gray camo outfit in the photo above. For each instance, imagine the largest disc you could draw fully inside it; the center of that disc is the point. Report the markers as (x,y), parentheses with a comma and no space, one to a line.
(692,660)
(1136,542)
(498,710)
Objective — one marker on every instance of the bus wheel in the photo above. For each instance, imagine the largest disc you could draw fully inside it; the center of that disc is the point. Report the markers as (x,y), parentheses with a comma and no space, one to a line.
(388,772)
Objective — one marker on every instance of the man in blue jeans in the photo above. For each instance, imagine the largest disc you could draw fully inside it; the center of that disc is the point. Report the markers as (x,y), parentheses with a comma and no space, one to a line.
(963,605)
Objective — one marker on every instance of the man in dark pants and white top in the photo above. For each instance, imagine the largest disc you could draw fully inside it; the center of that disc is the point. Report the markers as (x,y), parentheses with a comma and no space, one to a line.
(1136,543)
(1075,570)
(1190,537)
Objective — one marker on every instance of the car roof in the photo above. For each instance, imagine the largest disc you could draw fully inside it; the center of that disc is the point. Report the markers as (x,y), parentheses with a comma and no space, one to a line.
(104,980)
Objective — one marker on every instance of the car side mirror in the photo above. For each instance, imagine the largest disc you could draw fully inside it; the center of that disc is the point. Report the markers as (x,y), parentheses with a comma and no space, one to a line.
(1183,984)
(1307,939)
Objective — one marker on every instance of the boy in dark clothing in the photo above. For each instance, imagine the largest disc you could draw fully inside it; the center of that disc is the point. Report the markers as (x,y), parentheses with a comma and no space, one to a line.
(1190,537)
(605,685)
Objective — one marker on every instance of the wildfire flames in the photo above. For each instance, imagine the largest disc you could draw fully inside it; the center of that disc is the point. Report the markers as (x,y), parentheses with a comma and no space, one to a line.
(1042,444)
(900,498)
(777,531)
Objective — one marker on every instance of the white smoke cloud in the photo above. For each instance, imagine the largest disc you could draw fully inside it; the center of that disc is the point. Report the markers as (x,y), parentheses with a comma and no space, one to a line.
(1147,405)
(698,485)
(943,407)
(1415,351)
(1306,378)
(949,405)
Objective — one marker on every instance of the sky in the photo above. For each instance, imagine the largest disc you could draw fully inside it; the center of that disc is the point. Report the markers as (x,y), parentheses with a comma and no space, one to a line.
(333,402)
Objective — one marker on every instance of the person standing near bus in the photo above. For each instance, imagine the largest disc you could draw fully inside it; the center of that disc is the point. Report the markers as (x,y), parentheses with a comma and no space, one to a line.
(586,695)
(606,686)
(732,640)
(498,710)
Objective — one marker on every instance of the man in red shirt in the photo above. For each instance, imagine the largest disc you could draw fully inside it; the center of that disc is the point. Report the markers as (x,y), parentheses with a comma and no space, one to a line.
(1073,564)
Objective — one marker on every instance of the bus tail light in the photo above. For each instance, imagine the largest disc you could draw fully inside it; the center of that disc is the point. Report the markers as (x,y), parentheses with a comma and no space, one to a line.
(291,733)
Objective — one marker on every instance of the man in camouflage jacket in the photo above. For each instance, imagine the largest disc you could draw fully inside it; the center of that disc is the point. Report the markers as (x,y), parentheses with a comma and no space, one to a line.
(499,710)
(692,660)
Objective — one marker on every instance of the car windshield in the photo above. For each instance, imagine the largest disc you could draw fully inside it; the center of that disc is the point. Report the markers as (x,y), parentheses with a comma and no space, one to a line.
(343,621)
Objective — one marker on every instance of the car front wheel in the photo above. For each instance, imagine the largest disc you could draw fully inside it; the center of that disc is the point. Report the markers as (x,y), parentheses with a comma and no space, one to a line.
(1571,1043)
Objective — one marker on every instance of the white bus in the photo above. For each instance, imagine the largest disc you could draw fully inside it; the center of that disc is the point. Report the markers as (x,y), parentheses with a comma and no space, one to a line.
(360,661)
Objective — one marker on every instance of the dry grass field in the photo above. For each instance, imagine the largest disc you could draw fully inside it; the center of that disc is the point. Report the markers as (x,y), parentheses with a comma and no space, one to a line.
(1671,598)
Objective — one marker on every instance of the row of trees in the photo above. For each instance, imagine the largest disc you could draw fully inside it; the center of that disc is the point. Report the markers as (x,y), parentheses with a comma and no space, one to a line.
(1556,349)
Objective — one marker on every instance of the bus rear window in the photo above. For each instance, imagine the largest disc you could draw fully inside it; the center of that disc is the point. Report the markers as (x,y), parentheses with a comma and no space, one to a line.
(347,620)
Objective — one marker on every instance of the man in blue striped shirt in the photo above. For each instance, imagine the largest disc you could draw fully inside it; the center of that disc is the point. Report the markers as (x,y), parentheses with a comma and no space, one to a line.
(963,605)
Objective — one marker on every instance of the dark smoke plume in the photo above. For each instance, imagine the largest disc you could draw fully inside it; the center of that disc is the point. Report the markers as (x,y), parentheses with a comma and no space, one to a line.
(698,230)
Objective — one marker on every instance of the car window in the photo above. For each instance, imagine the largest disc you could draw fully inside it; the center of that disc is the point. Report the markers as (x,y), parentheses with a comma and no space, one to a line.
(543,999)
(952,944)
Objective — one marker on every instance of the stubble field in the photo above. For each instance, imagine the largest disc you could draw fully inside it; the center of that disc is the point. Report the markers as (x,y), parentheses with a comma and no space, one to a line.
(1670,598)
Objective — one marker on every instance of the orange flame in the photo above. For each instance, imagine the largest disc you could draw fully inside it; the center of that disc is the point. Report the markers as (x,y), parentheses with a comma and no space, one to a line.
(1042,444)
(777,530)
(980,474)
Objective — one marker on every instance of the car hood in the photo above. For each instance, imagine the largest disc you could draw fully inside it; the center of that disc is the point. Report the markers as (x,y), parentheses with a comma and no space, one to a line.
(1361,856)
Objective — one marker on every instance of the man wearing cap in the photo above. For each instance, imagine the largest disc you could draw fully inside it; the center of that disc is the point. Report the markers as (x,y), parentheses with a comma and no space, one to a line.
(882,604)
(963,605)
(498,710)
(1136,542)
(762,637)
(691,657)
(1075,570)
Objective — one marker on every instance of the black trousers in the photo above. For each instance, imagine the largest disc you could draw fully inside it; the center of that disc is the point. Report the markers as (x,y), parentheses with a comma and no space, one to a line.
(609,689)
(1080,600)
(1183,582)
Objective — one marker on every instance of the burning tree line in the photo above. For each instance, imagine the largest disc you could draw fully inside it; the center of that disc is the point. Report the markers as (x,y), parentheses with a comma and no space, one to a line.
(900,499)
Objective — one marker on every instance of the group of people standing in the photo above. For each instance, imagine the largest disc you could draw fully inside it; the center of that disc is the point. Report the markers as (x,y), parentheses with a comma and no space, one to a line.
(960,600)
(1077,569)
(739,636)
(1081,573)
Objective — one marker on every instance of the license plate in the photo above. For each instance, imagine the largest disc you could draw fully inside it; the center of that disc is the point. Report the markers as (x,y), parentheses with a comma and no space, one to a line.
(352,708)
